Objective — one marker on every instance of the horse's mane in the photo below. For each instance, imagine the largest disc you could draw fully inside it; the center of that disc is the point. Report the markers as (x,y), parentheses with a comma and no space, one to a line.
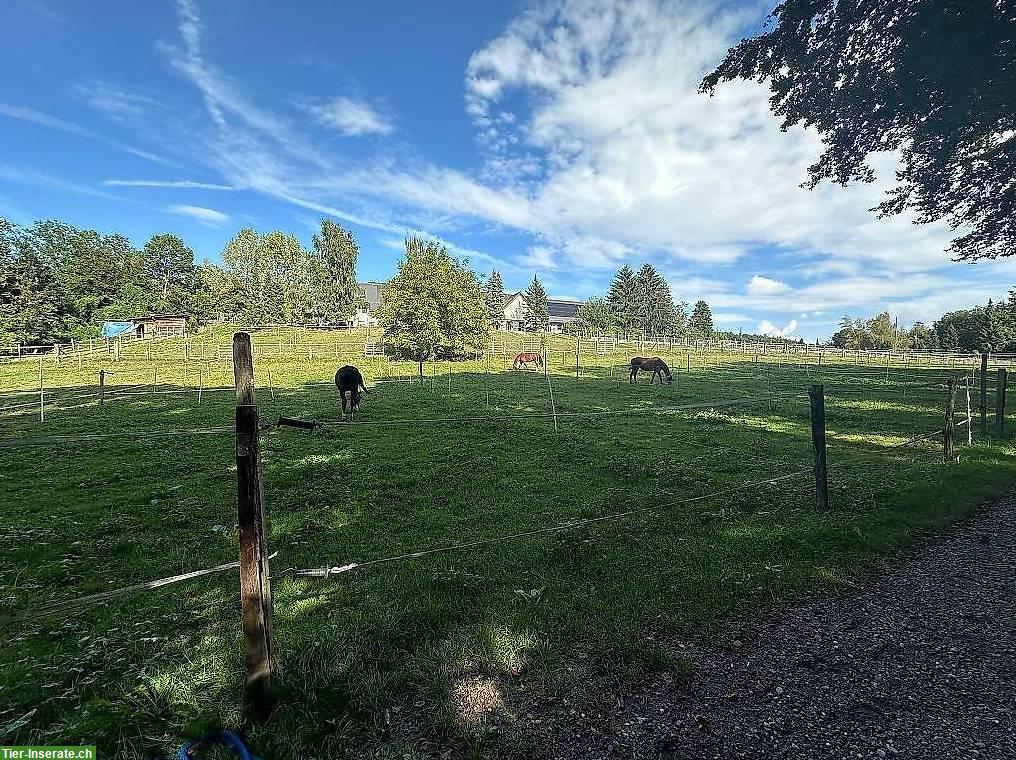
(664,365)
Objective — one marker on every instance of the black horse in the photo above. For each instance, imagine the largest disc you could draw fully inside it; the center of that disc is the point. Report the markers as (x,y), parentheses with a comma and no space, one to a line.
(656,365)
(349,380)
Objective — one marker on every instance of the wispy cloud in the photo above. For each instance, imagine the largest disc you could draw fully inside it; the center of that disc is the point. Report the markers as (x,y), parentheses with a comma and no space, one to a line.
(113,102)
(352,118)
(185,184)
(52,122)
(204,215)
(44,120)
(40,179)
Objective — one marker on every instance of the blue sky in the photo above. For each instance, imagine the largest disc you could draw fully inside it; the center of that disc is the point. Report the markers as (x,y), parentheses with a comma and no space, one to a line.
(558,138)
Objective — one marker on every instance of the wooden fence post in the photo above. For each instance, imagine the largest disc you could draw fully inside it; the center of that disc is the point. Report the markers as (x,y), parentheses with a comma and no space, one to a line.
(1000,384)
(102,387)
(816,394)
(984,394)
(577,339)
(950,422)
(255,587)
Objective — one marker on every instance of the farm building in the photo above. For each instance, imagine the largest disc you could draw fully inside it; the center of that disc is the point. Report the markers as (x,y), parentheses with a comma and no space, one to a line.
(372,293)
(152,326)
(562,311)
(160,326)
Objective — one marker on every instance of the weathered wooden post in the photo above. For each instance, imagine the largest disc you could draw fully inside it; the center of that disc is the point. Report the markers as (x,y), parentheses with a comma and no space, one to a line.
(949,437)
(102,387)
(255,587)
(816,394)
(1000,384)
(984,394)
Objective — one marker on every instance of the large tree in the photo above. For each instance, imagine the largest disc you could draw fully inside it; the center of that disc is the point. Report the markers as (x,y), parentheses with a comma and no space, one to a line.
(655,312)
(623,299)
(171,264)
(701,321)
(434,305)
(271,277)
(335,293)
(930,79)
(536,307)
(495,298)
(596,315)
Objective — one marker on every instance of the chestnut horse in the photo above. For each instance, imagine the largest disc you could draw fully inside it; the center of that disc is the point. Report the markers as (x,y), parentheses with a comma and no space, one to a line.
(527,357)
(656,365)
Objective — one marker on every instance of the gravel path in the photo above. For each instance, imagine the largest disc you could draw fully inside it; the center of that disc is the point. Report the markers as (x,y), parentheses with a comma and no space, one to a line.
(920,664)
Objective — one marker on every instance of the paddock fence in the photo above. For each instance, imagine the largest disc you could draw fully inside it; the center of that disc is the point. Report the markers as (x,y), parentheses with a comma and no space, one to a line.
(801,390)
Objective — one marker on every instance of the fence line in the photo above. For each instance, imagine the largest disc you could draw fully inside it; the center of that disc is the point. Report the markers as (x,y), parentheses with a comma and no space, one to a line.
(328,571)
(76,603)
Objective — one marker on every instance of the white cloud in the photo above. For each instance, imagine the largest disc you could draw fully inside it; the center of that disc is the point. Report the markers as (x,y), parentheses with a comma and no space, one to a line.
(351,117)
(113,102)
(598,149)
(764,286)
(204,215)
(765,327)
(52,122)
(187,184)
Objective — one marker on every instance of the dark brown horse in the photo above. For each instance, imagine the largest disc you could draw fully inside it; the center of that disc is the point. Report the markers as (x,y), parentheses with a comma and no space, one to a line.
(527,357)
(656,365)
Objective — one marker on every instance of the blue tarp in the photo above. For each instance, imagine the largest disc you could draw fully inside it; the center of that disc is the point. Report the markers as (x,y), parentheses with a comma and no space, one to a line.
(112,329)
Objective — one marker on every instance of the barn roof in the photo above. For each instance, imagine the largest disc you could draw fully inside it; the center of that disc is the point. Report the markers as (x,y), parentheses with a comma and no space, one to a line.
(563,308)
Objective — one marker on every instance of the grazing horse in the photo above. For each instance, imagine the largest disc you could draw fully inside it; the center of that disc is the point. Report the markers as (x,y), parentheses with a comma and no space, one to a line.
(349,380)
(656,365)
(527,357)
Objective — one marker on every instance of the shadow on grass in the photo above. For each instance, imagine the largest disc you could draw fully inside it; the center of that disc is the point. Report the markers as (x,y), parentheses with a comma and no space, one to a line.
(451,651)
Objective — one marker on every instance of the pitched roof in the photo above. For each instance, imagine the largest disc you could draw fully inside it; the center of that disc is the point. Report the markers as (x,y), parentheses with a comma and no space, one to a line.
(563,308)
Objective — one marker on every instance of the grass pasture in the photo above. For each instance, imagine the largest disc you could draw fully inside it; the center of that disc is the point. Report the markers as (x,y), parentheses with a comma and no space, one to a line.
(412,657)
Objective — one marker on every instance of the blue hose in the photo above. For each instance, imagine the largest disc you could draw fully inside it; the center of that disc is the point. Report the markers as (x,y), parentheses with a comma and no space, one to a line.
(227,738)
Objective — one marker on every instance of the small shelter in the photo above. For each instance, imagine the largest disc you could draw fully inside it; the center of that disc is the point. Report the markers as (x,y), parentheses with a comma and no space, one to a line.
(160,326)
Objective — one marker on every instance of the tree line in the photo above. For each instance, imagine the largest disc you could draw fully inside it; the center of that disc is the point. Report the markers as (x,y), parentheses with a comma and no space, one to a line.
(990,328)
(59,282)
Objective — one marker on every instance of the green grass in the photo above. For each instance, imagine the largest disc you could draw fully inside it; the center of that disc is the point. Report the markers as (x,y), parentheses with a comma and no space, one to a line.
(396,659)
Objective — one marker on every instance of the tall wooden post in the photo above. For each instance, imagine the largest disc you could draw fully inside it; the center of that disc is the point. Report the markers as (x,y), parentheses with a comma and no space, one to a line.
(984,394)
(102,387)
(816,393)
(950,422)
(255,588)
(1000,384)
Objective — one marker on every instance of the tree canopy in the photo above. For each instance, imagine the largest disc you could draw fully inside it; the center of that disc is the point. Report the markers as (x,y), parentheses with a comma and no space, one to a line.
(931,79)
(537,310)
(701,321)
(495,298)
(335,294)
(434,305)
